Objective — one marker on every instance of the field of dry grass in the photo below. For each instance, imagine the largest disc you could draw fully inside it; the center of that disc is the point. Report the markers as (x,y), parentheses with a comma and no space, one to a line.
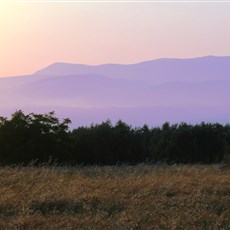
(118,197)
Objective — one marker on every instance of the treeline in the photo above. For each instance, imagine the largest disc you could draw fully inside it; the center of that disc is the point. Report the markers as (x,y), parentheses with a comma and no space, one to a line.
(42,137)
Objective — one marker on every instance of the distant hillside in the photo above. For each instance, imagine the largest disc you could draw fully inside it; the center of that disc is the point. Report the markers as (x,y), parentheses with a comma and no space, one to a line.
(189,90)
(155,71)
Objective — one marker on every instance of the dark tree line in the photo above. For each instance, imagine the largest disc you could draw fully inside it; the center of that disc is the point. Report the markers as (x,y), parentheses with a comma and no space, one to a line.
(42,137)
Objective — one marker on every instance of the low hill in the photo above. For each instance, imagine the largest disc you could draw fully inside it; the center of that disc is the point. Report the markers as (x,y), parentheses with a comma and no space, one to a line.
(188,90)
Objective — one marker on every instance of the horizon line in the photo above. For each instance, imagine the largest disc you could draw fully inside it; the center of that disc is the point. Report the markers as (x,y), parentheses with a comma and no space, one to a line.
(96,65)
(138,62)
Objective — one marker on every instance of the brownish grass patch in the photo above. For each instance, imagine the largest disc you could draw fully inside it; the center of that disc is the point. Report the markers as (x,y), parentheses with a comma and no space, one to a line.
(116,197)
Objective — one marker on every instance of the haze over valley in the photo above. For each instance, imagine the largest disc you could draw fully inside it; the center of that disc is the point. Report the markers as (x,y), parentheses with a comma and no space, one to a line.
(175,90)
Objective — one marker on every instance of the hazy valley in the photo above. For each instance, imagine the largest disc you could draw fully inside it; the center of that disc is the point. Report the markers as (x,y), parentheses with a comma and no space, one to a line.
(152,92)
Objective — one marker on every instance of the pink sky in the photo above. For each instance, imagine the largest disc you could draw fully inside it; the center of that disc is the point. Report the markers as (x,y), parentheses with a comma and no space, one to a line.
(34,35)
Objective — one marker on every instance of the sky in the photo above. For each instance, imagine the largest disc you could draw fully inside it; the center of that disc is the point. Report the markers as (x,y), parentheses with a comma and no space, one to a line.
(36,34)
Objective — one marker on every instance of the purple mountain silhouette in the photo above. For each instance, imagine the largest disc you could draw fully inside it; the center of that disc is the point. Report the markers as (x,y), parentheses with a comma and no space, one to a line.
(155,71)
(174,90)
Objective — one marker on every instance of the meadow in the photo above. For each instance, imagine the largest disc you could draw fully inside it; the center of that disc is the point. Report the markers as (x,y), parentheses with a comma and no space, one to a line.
(115,197)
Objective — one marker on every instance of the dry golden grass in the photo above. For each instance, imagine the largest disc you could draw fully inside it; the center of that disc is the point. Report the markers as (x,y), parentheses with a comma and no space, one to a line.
(119,197)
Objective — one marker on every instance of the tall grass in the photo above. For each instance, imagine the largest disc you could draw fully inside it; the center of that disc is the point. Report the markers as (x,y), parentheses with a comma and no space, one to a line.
(116,197)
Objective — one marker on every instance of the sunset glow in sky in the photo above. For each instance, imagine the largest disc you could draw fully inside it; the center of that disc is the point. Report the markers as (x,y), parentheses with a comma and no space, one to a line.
(34,35)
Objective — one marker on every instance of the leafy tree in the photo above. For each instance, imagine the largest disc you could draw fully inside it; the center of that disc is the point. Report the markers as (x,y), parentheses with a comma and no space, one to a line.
(33,136)
(27,137)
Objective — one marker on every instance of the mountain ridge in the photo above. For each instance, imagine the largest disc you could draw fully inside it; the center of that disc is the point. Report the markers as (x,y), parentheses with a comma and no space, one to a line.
(183,89)
(159,70)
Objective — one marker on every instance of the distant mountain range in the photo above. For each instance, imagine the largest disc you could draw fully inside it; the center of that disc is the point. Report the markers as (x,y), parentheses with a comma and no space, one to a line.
(174,90)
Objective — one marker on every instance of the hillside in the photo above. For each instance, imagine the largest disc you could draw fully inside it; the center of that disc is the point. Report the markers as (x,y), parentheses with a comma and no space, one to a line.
(192,90)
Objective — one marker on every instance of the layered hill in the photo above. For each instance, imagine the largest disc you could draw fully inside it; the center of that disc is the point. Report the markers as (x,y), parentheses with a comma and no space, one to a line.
(174,90)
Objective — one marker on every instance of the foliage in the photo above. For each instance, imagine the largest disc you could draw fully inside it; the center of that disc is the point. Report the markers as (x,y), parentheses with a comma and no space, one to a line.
(34,136)
(41,137)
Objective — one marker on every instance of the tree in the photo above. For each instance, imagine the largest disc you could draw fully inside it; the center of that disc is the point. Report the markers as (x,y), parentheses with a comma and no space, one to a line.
(33,136)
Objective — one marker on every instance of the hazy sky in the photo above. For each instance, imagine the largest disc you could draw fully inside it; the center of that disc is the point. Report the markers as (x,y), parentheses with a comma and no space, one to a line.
(34,35)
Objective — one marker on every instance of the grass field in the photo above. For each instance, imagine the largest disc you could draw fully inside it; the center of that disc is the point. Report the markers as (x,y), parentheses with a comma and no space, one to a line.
(118,197)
